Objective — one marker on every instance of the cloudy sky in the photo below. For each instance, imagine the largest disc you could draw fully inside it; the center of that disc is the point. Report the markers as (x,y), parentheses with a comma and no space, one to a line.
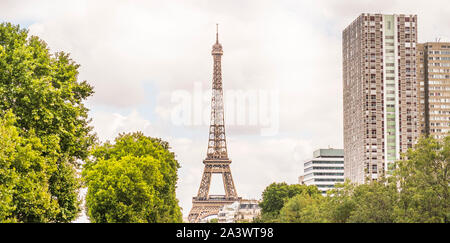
(139,54)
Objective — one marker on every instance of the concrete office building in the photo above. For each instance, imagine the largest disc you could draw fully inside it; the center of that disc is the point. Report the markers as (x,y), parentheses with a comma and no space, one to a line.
(380,93)
(325,169)
(433,78)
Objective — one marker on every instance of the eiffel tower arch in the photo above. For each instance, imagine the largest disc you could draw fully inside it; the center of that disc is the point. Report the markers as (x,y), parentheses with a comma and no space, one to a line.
(217,161)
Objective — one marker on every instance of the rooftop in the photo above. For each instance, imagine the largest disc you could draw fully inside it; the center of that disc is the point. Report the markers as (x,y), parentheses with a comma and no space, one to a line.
(328,153)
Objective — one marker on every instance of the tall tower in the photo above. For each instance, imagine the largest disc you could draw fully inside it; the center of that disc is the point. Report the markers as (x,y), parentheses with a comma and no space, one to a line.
(433,80)
(380,93)
(217,161)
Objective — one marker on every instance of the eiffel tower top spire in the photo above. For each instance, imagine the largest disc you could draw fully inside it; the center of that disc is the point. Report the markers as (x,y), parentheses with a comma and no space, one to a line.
(217,33)
(217,47)
(217,145)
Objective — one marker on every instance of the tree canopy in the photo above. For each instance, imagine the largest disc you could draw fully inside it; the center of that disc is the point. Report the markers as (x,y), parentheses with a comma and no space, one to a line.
(303,208)
(416,191)
(42,92)
(132,180)
(423,179)
(276,194)
(26,166)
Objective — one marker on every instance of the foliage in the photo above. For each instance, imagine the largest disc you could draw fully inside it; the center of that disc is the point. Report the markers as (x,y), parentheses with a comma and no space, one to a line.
(133,180)
(366,203)
(46,98)
(340,203)
(276,194)
(43,91)
(423,179)
(304,208)
(417,191)
(373,203)
(24,176)
(214,220)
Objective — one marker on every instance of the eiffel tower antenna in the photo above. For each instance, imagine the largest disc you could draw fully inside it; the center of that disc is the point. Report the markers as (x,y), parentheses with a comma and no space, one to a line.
(217,33)
(216,161)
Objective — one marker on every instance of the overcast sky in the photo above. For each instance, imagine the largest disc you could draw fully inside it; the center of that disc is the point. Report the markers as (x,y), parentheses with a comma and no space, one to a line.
(138,54)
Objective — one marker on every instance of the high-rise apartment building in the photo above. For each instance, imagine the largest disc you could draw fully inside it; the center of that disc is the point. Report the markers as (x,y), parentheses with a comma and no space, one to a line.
(433,78)
(325,169)
(380,93)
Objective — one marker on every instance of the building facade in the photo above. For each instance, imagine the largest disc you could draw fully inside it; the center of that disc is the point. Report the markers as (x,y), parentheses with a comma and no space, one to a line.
(243,211)
(433,78)
(325,169)
(379,93)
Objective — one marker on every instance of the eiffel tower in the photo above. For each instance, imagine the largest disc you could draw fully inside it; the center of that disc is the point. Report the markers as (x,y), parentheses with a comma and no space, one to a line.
(217,161)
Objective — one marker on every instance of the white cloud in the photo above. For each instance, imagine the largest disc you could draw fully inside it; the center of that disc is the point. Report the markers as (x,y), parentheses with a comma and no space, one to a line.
(109,125)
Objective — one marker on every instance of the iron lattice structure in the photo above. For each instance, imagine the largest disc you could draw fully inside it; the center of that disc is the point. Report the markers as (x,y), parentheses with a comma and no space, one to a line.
(217,161)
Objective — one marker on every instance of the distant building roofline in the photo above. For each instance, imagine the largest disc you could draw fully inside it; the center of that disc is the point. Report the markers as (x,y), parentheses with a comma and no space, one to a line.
(330,152)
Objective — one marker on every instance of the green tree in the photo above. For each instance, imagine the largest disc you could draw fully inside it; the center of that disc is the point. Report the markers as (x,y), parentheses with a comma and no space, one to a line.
(374,202)
(340,203)
(276,194)
(133,180)
(304,208)
(423,179)
(24,176)
(43,92)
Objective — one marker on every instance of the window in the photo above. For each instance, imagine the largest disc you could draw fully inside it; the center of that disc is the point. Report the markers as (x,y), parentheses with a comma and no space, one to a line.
(330,179)
(327,168)
(327,162)
(328,174)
